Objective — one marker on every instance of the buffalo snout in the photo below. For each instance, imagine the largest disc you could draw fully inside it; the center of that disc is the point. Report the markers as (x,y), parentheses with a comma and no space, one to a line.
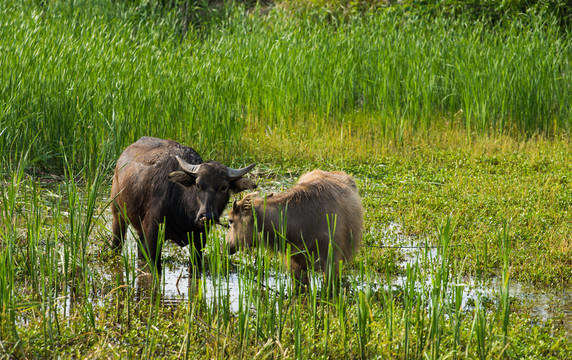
(208,216)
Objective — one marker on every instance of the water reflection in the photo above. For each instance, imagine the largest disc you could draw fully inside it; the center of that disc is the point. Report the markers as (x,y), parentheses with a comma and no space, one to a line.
(545,306)
(540,304)
(178,284)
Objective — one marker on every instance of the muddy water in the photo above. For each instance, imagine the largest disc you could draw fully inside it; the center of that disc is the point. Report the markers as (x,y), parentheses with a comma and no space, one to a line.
(543,305)
(177,283)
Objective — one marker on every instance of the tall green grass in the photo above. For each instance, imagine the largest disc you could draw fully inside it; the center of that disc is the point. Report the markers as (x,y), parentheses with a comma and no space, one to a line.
(46,277)
(89,78)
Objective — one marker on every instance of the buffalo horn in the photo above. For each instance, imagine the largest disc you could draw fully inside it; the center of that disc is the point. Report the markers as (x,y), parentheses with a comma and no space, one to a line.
(189,168)
(234,174)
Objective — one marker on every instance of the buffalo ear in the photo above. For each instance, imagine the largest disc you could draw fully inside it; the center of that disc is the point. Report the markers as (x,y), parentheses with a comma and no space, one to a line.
(242,184)
(246,202)
(182,178)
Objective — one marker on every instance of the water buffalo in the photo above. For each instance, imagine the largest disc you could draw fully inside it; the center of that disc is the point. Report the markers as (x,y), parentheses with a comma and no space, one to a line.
(321,206)
(161,181)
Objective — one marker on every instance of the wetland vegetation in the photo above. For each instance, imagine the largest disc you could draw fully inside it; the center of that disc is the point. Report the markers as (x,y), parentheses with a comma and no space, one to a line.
(455,125)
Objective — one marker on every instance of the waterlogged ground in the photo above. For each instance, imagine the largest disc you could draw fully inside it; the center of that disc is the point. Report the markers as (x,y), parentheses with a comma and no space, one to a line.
(540,304)
(395,266)
(176,282)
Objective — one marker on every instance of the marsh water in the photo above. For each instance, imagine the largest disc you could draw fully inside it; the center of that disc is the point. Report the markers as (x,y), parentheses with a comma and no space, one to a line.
(177,283)
(540,305)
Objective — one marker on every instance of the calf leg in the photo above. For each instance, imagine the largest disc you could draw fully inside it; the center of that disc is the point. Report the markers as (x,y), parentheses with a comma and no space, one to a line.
(300,277)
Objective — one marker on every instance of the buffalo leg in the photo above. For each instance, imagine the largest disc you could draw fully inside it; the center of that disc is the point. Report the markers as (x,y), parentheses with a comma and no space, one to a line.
(119,227)
(149,242)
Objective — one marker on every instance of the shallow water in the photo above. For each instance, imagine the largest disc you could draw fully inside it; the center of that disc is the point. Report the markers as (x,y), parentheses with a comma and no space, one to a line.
(556,305)
(539,304)
(543,305)
(176,282)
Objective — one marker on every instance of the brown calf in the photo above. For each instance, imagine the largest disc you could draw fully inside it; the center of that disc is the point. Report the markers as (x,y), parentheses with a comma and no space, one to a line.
(322,206)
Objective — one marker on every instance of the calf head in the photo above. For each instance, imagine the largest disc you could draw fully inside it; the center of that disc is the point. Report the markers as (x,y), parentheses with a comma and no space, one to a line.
(241,221)
(213,183)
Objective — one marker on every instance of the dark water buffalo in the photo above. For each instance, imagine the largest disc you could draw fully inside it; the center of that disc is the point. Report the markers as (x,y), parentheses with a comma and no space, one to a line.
(161,181)
(320,207)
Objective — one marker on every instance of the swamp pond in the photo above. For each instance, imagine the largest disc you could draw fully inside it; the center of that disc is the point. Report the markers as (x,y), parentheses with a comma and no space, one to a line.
(177,283)
(252,287)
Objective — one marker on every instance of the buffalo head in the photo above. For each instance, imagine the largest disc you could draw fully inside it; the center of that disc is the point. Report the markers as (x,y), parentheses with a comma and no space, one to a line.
(213,183)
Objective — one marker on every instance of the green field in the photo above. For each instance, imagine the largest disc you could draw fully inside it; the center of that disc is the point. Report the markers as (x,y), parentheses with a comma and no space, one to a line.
(455,126)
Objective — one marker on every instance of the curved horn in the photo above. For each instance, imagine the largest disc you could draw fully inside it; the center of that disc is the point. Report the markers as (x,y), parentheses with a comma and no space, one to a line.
(188,168)
(235,207)
(234,174)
